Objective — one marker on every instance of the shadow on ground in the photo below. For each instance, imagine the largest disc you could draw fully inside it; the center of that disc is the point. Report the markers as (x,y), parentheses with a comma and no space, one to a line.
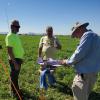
(94,96)
(62,87)
(29,96)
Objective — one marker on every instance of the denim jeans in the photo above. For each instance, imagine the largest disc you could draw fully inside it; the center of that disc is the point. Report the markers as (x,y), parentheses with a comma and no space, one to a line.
(43,82)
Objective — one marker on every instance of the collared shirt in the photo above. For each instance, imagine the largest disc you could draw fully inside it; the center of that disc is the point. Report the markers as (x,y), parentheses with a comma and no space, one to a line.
(48,47)
(13,40)
(86,58)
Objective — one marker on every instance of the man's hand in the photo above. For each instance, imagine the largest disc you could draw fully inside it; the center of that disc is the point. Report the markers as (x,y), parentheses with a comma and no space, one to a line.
(42,67)
(11,55)
(63,62)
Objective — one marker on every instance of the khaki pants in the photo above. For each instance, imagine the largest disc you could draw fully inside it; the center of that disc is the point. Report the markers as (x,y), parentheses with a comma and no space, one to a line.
(82,85)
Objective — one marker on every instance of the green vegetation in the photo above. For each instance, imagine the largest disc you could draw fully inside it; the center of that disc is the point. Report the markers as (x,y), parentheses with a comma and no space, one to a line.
(29,75)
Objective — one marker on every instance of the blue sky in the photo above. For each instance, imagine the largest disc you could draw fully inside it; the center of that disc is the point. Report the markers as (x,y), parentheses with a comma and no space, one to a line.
(35,15)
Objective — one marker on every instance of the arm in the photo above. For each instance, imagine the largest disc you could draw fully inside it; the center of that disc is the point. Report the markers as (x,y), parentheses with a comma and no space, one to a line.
(39,51)
(82,50)
(40,47)
(10,53)
(57,44)
(9,45)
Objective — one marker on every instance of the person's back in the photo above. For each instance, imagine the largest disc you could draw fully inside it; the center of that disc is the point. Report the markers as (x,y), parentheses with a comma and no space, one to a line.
(86,61)
(92,59)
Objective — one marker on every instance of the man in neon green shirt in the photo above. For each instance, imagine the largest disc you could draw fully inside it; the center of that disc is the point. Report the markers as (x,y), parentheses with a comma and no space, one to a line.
(16,53)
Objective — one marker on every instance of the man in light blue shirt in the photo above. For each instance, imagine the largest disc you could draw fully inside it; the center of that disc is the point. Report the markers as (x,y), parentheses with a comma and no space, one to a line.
(85,60)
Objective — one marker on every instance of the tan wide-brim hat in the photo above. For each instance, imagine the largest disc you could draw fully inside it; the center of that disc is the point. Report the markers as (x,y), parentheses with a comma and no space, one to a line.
(78,25)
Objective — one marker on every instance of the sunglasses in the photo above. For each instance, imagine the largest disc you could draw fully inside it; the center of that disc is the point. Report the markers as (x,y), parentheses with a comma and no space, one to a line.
(16,26)
(49,30)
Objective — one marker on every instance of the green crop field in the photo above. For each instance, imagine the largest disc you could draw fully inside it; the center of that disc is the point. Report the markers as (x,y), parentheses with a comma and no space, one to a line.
(29,75)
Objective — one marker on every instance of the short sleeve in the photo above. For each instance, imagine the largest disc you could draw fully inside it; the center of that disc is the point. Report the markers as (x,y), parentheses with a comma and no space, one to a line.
(9,41)
(41,42)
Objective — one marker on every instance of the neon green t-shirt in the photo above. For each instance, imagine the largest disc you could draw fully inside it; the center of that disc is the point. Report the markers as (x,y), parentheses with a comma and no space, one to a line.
(13,40)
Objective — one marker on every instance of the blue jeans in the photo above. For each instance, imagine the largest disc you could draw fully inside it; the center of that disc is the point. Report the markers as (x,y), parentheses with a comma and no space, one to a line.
(43,82)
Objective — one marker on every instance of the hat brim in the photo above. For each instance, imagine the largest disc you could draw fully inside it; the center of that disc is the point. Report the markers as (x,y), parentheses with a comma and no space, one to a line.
(82,25)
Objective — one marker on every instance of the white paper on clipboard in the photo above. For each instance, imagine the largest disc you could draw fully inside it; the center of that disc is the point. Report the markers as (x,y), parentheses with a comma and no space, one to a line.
(53,62)
(50,61)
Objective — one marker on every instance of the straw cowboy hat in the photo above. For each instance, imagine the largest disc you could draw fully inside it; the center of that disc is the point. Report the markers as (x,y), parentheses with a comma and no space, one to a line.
(78,25)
